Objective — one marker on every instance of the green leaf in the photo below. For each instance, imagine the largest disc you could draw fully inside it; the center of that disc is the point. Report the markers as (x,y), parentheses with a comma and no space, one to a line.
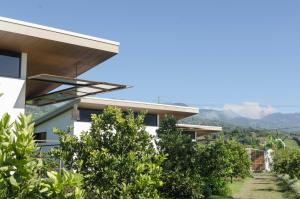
(13,181)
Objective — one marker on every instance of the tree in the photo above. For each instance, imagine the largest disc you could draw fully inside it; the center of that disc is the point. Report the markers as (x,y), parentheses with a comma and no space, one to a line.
(215,167)
(287,161)
(116,157)
(274,143)
(239,159)
(219,161)
(20,169)
(180,170)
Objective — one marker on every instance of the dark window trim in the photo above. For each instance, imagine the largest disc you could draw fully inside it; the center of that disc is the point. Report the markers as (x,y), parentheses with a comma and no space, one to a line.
(79,119)
(16,55)
(40,141)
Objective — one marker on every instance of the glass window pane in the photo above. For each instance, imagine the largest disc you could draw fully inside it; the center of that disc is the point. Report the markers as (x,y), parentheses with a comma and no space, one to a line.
(10,65)
(40,137)
(150,120)
(85,114)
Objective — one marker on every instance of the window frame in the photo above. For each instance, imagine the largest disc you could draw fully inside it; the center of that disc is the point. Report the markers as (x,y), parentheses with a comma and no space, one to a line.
(97,112)
(40,140)
(15,55)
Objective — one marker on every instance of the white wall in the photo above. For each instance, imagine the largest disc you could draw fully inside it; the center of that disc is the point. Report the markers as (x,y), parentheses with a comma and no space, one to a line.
(13,89)
(85,126)
(62,121)
(80,127)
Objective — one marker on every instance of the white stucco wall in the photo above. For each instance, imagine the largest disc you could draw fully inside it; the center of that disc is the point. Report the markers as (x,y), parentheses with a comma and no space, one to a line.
(85,126)
(62,121)
(13,89)
(80,127)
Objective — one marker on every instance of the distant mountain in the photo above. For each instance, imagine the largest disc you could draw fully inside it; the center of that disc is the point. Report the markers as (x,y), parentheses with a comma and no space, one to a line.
(289,122)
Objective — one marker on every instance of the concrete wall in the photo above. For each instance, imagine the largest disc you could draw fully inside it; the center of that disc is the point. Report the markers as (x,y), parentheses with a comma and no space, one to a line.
(13,89)
(62,121)
(85,126)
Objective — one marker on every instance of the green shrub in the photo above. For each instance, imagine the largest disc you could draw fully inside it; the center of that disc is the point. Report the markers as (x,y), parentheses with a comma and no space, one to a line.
(181,174)
(287,161)
(20,169)
(116,157)
(220,161)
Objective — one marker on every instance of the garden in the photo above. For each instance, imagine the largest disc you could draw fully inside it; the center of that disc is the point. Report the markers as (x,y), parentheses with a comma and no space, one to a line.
(117,158)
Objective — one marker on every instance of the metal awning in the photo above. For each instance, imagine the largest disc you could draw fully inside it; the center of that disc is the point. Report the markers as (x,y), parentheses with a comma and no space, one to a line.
(80,88)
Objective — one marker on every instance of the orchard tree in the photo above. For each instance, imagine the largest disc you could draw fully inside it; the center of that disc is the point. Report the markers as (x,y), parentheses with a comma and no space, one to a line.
(287,161)
(239,160)
(180,170)
(116,157)
(215,167)
(20,168)
(219,161)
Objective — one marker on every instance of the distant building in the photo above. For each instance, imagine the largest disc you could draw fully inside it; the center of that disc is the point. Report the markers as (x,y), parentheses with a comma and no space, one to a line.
(77,115)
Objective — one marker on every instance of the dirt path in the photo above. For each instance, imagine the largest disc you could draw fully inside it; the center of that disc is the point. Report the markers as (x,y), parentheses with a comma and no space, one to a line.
(262,186)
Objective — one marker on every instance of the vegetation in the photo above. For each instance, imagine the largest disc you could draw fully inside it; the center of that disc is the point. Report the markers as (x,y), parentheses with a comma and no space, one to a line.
(116,157)
(287,161)
(193,170)
(21,172)
(181,174)
(257,138)
(221,161)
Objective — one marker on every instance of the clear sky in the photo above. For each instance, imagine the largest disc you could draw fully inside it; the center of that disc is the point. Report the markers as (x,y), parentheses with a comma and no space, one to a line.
(204,53)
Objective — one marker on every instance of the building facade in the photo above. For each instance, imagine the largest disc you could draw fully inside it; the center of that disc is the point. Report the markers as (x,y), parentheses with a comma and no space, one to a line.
(35,60)
(76,116)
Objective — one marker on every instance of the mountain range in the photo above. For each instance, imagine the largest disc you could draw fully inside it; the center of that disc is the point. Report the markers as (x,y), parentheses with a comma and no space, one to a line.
(289,122)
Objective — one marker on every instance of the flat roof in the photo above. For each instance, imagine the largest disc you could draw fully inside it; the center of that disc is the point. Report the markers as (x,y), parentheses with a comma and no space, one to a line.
(178,111)
(53,51)
(99,103)
(200,129)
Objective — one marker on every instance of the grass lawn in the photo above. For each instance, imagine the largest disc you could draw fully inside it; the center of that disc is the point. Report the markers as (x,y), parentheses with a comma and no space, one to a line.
(234,187)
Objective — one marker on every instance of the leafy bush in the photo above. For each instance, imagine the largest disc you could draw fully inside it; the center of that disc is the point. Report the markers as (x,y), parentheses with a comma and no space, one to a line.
(219,161)
(20,169)
(287,161)
(180,170)
(215,167)
(239,159)
(116,157)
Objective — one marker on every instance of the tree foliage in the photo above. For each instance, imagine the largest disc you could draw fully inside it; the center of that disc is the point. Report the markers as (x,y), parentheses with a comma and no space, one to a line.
(220,161)
(116,157)
(287,161)
(20,169)
(180,170)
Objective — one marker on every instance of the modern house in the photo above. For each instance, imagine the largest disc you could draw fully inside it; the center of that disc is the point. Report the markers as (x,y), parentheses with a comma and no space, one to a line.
(77,115)
(35,60)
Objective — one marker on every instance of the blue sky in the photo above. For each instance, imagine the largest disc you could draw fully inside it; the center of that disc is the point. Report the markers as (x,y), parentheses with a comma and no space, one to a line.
(203,53)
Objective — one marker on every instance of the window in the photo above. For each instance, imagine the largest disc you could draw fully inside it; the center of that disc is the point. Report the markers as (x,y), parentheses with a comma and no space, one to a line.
(85,114)
(10,64)
(191,134)
(150,120)
(40,137)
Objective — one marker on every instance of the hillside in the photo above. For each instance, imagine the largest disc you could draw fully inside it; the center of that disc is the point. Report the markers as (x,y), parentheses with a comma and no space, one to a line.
(289,122)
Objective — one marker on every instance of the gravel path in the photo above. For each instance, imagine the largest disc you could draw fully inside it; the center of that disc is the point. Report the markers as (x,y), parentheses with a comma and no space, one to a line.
(262,186)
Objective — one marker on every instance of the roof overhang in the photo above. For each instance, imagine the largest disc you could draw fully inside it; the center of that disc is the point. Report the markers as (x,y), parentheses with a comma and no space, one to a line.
(79,88)
(179,112)
(100,103)
(53,51)
(200,129)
